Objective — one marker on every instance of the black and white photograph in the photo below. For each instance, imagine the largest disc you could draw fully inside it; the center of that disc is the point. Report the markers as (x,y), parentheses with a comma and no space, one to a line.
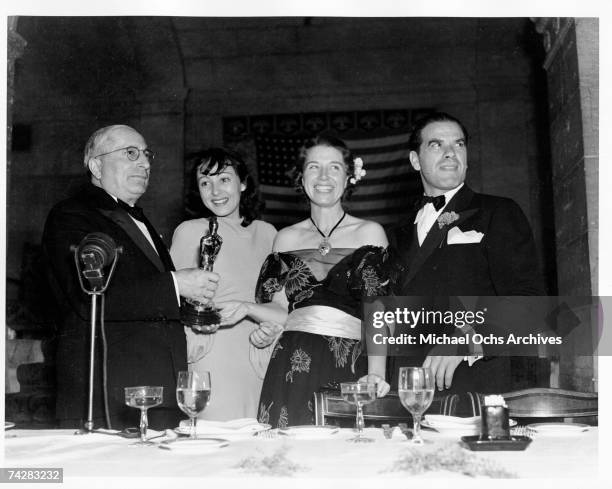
(289,244)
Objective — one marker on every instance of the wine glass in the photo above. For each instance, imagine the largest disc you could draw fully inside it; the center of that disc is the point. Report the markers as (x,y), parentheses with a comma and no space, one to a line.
(416,390)
(192,395)
(143,397)
(359,393)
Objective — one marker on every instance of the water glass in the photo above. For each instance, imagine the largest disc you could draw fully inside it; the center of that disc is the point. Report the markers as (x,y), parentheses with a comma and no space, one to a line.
(193,395)
(416,390)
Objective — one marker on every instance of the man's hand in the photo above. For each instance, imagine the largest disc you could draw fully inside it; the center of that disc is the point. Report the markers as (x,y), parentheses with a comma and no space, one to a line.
(443,368)
(265,334)
(196,284)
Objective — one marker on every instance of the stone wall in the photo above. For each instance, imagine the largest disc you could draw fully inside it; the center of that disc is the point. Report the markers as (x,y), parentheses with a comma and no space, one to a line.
(572,65)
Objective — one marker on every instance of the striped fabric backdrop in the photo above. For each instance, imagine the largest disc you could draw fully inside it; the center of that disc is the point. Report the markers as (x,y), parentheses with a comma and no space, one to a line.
(383,195)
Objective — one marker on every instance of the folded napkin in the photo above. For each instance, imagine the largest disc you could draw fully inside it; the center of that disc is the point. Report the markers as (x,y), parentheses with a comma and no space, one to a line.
(309,431)
(396,434)
(451,422)
(234,426)
(456,236)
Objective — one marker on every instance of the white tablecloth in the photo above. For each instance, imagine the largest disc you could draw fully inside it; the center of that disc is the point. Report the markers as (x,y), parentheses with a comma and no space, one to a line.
(328,458)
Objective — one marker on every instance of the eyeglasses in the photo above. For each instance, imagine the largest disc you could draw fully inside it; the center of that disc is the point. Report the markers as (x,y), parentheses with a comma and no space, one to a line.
(132,153)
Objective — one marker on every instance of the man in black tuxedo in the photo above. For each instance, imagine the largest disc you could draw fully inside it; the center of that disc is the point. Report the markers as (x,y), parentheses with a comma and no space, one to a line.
(145,340)
(457,242)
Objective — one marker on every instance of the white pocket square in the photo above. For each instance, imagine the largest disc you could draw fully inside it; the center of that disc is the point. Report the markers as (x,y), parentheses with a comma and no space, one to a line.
(456,236)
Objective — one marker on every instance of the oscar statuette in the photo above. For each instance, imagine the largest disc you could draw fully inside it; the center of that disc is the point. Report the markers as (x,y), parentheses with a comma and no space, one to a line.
(204,318)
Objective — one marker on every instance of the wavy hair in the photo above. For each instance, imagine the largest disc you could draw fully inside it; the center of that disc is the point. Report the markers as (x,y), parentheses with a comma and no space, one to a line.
(323,139)
(213,161)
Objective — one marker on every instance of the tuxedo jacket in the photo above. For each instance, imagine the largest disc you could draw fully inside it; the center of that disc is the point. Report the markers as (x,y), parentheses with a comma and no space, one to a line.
(503,262)
(145,340)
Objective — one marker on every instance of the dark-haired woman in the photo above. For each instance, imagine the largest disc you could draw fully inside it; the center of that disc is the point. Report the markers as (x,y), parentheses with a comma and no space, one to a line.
(237,367)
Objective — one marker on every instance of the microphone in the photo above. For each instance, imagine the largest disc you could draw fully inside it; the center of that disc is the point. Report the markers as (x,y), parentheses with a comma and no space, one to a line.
(95,252)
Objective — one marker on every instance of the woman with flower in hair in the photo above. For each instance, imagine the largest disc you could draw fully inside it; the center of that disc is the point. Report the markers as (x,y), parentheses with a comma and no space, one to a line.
(227,190)
(322,266)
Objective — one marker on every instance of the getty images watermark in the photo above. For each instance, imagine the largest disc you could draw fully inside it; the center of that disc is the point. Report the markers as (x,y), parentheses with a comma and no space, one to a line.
(500,326)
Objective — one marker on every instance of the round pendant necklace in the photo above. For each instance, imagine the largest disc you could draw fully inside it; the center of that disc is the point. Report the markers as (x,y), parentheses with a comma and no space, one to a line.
(324,246)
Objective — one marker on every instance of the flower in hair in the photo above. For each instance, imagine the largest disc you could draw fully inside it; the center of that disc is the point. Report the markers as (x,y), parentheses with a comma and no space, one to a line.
(359,172)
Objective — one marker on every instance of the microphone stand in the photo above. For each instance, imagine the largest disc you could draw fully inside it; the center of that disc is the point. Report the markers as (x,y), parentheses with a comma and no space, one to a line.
(97,275)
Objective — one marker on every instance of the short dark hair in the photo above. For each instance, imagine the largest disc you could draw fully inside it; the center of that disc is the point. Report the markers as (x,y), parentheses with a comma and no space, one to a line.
(415,141)
(213,161)
(325,139)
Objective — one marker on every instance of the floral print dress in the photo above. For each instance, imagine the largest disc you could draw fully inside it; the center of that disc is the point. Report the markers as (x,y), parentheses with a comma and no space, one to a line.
(303,362)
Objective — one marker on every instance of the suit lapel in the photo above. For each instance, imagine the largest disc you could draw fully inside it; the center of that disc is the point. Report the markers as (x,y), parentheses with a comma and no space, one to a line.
(97,198)
(162,251)
(437,234)
(407,243)
(125,222)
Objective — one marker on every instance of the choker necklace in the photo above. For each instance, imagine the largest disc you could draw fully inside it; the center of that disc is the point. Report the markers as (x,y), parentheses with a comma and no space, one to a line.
(325,247)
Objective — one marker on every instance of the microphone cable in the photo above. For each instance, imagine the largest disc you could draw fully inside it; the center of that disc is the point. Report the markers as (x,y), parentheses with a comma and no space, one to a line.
(104,363)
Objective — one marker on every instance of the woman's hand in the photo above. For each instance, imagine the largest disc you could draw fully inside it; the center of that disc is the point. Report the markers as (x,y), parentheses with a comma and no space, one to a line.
(265,334)
(232,311)
(382,387)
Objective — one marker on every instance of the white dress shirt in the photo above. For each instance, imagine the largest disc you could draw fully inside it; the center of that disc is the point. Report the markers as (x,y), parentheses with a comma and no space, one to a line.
(145,231)
(425,219)
(427,216)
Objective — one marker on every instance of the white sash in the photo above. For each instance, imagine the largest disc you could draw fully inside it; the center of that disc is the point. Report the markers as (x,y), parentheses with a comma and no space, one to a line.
(324,320)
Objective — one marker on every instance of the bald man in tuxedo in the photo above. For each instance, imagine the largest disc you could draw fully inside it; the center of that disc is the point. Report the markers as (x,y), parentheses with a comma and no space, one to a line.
(144,337)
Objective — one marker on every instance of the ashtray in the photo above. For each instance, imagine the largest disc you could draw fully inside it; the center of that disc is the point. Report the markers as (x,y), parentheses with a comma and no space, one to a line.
(514,443)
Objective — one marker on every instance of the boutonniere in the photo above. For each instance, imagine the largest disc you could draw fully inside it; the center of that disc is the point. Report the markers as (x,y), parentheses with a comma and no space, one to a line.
(447,218)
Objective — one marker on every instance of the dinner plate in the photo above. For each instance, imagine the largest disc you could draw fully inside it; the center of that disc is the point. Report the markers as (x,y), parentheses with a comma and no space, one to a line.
(309,431)
(456,426)
(454,429)
(558,429)
(199,445)
(225,432)
(435,419)
(8,425)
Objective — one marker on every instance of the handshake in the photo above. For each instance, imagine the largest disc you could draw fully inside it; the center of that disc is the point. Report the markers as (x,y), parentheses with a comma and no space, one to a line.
(200,285)
(270,325)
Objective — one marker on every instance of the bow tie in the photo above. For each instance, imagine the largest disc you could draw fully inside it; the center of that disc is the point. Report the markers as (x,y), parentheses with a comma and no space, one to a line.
(135,211)
(438,202)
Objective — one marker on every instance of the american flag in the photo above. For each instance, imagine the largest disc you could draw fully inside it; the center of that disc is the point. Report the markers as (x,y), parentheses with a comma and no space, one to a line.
(383,195)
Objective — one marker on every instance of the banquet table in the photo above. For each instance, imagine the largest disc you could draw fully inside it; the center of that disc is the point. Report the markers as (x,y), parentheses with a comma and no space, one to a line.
(327,457)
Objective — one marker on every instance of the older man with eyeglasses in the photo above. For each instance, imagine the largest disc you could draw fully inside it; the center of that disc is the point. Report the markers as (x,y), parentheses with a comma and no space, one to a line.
(145,341)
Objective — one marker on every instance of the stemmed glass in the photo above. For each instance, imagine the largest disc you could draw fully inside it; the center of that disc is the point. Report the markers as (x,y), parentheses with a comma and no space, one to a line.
(192,395)
(359,393)
(144,397)
(416,390)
